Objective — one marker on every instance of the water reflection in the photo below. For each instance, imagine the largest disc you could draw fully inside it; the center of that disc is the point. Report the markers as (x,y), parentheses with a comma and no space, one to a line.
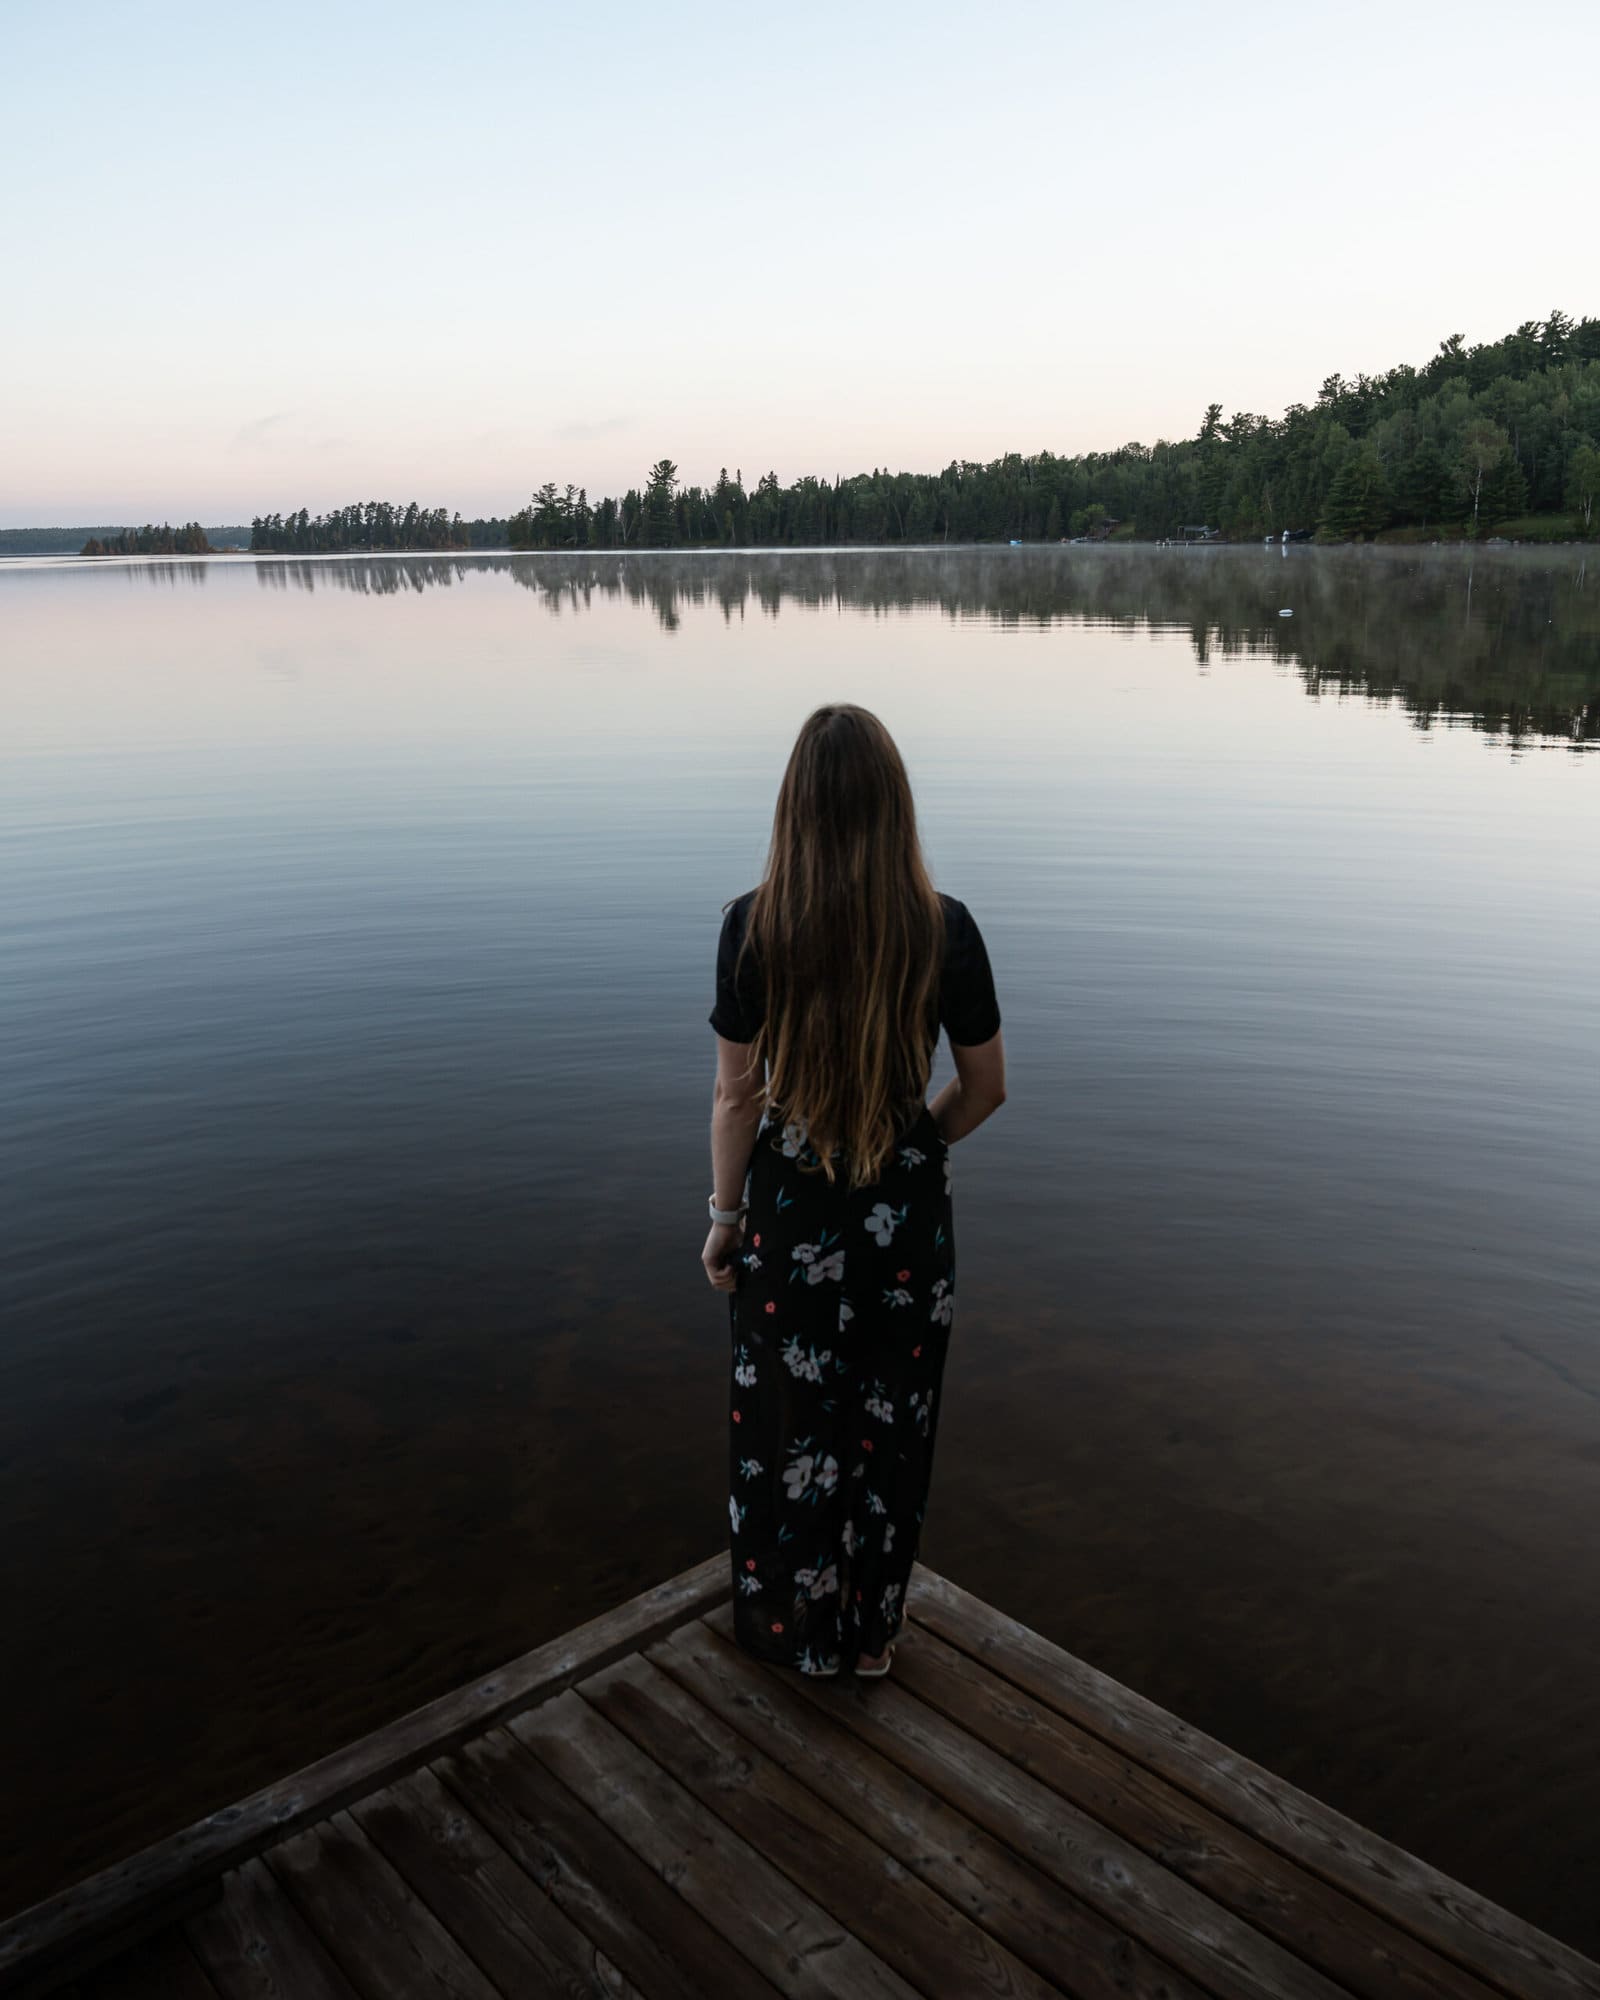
(357,934)
(1508,642)
(163,572)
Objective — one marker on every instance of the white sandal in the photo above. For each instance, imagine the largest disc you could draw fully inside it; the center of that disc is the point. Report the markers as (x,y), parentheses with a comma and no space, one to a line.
(877,1673)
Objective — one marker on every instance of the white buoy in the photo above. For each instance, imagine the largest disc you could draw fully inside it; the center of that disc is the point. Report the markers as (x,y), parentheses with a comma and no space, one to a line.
(1285,614)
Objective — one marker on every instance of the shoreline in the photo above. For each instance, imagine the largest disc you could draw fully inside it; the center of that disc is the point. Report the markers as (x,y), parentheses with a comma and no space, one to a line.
(1395,541)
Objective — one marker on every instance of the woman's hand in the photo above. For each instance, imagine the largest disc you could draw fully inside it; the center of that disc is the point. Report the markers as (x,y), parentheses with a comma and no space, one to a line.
(717,1256)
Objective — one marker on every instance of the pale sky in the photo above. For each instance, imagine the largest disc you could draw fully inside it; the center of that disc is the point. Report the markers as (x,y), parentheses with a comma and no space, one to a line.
(259,259)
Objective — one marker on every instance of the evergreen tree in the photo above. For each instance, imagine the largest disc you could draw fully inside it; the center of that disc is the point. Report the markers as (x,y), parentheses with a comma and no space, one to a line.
(1422,492)
(660,519)
(1358,501)
(1505,491)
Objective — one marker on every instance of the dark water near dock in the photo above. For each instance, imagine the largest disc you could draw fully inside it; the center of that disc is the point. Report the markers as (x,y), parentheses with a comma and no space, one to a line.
(357,922)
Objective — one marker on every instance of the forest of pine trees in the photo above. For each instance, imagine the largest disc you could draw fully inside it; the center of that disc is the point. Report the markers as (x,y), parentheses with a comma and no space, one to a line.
(189,540)
(1477,437)
(1502,436)
(373,524)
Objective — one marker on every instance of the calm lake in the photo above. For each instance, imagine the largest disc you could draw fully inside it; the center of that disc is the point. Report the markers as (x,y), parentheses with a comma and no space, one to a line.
(358,922)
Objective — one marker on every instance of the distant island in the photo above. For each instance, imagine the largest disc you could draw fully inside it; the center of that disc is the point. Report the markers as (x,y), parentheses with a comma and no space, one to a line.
(75,541)
(189,540)
(374,524)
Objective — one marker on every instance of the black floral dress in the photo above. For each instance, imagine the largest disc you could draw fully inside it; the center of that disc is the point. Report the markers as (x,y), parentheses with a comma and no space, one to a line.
(840,1322)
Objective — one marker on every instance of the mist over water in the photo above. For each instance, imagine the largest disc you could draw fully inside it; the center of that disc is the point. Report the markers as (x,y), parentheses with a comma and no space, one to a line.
(358,919)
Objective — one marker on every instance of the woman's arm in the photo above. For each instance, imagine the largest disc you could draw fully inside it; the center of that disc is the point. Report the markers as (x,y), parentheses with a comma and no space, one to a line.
(736,1106)
(977,1089)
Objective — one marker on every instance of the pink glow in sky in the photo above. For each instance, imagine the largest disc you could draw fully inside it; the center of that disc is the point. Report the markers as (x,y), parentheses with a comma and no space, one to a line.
(366,251)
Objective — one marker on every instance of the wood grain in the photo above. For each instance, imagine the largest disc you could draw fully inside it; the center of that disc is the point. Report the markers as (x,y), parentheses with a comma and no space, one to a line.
(1499,1947)
(664,1946)
(386,1942)
(1209,1944)
(784,1933)
(641,1808)
(108,1903)
(872,1893)
(1349,1941)
(525,1942)
(1056,1933)
(257,1946)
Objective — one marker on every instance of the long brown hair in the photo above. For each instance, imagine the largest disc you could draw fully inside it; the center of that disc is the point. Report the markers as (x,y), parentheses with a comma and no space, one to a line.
(848,931)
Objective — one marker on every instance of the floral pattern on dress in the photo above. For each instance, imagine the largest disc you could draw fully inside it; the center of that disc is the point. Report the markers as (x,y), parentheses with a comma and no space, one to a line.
(819,1263)
(832,1394)
(805,1362)
(879,1405)
(884,1221)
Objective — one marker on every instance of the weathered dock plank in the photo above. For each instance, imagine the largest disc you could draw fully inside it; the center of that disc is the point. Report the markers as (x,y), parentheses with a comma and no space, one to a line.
(641,1811)
(1209,1944)
(1353,1944)
(662,1944)
(526,1944)
(861,1884)
(1060,1937)
(257,1946)
(385,1940)
(787,1936)
(1464,1926)
(140,1889)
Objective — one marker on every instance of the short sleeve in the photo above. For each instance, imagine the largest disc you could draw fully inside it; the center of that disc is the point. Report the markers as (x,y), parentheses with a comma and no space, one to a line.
(739,1007)
(968,1009)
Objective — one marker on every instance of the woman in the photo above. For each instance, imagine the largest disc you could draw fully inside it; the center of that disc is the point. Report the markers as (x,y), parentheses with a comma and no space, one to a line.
(832,1228)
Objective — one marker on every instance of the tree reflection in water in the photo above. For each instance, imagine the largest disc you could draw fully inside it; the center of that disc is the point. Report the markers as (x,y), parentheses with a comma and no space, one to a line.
(1506,641)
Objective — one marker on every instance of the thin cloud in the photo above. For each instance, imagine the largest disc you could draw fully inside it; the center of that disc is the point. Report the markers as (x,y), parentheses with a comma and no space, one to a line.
(591,427)
(251,436)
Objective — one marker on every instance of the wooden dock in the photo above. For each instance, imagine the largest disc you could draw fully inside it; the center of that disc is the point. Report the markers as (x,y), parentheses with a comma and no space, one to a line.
(641,1808)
